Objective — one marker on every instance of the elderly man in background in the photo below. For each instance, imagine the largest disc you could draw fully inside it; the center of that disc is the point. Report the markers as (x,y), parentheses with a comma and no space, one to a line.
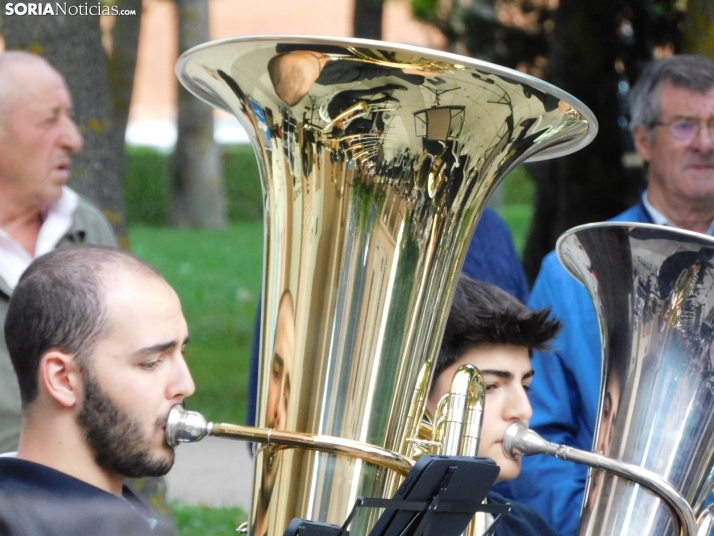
(672,107)
(38,212)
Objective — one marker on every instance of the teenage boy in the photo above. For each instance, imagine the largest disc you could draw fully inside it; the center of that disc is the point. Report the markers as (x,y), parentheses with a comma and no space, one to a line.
(492,330)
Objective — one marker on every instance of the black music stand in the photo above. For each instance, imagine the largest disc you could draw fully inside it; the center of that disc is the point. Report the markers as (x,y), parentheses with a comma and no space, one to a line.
(440,495)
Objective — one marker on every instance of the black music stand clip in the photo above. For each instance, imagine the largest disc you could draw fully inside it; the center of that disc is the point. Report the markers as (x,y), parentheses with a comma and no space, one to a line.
(440,495)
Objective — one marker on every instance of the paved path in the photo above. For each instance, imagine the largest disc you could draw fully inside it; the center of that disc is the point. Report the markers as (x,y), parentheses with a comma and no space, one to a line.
(214,472)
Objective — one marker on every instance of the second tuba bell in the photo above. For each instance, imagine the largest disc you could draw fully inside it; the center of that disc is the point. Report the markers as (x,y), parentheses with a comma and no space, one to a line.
(653,292)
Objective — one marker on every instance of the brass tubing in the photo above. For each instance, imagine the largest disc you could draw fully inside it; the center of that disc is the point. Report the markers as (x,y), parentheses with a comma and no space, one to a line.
(457,425)
(459,414)
(360,107)
(473,416)
(329,444)
(185,426)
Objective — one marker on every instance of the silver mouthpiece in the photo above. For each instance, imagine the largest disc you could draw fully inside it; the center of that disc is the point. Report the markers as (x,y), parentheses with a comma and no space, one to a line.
(520,441)
(183,426)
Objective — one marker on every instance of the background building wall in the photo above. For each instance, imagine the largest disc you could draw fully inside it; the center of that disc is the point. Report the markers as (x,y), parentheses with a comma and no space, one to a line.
(154,96)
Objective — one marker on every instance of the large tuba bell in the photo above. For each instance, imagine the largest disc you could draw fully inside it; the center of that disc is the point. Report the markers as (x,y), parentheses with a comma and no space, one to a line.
(376,162)
(653,291)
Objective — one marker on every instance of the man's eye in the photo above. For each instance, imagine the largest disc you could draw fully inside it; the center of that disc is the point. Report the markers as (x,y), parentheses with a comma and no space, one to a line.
(50,119)
(684,126)
(490,387)
(150,365)
(527,388)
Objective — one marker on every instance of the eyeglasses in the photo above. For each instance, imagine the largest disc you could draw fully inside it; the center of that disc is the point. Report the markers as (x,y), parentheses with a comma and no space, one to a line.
(685,130)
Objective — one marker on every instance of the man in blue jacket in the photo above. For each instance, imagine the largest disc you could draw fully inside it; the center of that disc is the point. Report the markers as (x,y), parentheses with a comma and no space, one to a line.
(672,108)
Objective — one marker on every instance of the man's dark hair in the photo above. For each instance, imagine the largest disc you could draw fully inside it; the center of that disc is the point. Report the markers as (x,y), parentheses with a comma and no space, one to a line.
(484,315)
(59,304)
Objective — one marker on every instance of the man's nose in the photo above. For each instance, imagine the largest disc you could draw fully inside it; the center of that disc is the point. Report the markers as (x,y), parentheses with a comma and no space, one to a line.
(71,138)
(280,408)
(519,406)
(704,140)
(181,384)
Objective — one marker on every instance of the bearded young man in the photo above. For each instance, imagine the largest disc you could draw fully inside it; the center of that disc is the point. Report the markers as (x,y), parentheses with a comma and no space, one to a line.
(96,338)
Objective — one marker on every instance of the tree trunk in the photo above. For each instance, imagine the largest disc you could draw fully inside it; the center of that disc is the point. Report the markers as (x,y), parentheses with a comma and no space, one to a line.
(368,19)
(72,43)
(122,67)
(592,184)
(199,190)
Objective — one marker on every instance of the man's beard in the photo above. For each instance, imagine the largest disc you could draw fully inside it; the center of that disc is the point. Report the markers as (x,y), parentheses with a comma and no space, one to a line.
(115,438)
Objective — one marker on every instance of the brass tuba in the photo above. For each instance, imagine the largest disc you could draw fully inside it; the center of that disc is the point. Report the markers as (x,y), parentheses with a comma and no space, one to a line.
(376,161)
(653,291)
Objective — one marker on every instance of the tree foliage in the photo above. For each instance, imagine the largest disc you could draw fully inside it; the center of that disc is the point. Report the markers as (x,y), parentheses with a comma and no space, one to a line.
(595,51)
(699,28)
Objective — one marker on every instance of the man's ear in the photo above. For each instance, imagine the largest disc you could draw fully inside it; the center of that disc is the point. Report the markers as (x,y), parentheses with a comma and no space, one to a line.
(61,377)
(643,143)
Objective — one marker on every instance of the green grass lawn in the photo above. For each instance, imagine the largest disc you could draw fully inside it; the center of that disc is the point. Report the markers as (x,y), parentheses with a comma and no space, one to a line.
(206,521)
(217,274)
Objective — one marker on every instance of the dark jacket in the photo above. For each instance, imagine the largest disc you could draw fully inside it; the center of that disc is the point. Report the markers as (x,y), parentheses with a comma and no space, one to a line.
(38,501)
(522,520)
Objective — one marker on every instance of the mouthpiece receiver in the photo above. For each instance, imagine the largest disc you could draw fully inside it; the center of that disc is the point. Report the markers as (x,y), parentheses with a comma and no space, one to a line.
(183,426)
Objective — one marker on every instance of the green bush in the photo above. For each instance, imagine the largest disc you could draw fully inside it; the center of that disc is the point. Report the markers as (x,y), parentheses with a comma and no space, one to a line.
(147,183)
(245,194)
(518,188)
(518,217)
(147,190)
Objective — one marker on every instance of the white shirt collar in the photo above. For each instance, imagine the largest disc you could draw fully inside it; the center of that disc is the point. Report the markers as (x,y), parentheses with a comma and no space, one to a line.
(661,219)
(14,259)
